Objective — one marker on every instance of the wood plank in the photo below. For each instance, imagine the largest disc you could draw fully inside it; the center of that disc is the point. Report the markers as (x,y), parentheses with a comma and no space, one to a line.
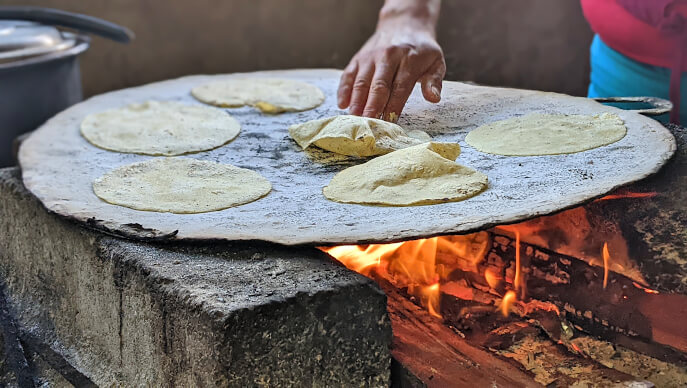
(438,357)
(430,353)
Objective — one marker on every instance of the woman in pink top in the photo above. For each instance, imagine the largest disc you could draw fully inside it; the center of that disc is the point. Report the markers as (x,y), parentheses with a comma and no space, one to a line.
(640,49)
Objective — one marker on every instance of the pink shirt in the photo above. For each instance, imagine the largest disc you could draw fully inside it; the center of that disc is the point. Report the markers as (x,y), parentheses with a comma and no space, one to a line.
(636,38)
(653,32)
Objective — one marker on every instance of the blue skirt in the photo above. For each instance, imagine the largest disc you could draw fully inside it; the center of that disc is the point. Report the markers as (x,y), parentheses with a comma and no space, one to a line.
(615,75)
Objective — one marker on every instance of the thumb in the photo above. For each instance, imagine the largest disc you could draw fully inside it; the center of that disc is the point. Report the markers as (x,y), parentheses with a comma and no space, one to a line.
(431,81)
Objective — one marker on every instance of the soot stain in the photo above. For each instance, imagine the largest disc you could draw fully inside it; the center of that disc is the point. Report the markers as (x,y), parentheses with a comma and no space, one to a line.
(256,135)
(278,152)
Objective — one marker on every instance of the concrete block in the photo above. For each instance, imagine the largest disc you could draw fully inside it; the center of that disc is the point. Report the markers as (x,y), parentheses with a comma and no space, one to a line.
(177,315)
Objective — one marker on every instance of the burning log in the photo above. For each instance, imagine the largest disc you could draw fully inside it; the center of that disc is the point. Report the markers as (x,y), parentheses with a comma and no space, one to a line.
(480,270)
(624,311)
(427,353)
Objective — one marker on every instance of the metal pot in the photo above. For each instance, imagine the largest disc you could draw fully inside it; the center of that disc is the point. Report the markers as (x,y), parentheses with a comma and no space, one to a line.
(39,68)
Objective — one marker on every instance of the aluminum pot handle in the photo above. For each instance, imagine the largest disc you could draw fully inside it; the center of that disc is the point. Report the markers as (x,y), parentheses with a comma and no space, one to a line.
(79,22)
(659,106)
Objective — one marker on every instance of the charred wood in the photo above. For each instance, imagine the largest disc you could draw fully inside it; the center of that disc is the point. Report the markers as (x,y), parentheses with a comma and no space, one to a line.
(431,354)
(502,351)
(624,312)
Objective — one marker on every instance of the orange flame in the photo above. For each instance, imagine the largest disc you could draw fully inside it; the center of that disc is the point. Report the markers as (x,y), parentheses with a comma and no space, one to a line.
(628,194)
(647,290)
(431,298)
(355,257)
(507,303)
(464,247)
(516,281)
(606,257)
(493,279)
(411,264)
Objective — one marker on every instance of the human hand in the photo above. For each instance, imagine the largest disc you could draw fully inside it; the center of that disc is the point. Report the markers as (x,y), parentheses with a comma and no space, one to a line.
(381,76)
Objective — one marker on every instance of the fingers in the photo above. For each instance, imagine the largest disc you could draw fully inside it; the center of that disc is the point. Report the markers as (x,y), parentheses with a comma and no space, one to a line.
(400,91)
(431,81)
(343,94)
(361,88)
(406,78)
(380,78)
(380,87)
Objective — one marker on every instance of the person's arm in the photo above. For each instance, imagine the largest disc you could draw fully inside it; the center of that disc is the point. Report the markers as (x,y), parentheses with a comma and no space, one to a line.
(402,51)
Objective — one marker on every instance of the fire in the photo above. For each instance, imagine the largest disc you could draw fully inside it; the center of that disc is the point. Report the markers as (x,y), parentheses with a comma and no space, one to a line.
(606,257)
(647,290)
(493,279)
(421,266)
(431,298)
(414,263)
(355,257)
(516,280)
(507,303)
(426,267)
(581,234)
(628,194)
(410,264)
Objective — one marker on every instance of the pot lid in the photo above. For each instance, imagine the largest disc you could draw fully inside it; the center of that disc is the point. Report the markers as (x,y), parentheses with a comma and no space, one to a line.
(22,39)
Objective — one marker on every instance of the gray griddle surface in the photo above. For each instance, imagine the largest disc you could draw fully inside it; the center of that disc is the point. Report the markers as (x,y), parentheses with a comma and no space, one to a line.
(59,167)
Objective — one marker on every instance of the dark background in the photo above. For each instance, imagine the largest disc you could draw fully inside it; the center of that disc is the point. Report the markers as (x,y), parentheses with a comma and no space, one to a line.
(535,44)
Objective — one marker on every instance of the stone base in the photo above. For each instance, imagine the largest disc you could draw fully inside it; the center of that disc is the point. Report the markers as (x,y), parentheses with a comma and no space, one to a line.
(115,311)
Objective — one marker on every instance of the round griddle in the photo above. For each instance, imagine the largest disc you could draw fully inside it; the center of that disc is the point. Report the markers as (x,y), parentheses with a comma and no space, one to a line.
(59,167)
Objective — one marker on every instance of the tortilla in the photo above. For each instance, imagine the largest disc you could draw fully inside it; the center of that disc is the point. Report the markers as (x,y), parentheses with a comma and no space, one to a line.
(355,136)
(419,175)
(270,95)
(547,134)
(160,128)
(180,185)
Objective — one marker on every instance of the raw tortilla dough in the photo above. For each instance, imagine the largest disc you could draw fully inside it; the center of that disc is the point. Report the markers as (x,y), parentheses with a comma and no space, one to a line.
(419,175)
(180,185)
(546,134)
(355,136)
(270,95)
(160,128)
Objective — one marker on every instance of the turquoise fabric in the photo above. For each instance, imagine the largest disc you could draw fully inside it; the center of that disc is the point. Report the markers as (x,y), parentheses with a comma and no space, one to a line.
(615,75)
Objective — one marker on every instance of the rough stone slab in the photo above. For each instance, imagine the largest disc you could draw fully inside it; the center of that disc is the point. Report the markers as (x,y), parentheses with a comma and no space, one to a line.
(226,314)
(7,375)
(59,167)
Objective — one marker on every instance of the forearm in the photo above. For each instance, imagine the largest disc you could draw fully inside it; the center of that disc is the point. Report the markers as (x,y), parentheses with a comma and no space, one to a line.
(415,14)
